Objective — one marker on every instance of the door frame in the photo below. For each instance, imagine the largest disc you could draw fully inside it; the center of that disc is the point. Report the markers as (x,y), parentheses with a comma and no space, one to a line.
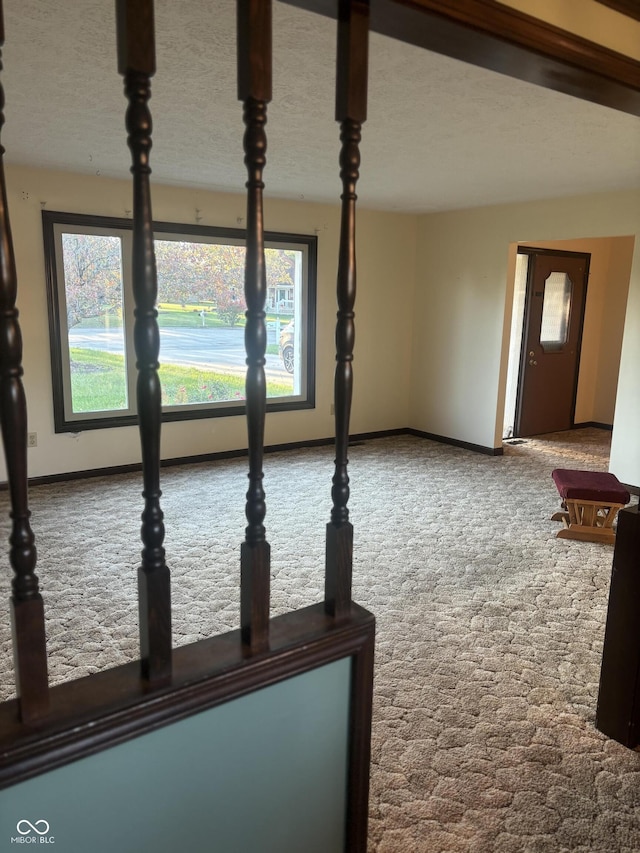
(533,252)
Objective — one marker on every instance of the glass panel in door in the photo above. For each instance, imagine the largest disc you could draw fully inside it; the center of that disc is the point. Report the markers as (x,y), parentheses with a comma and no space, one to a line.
(556,309)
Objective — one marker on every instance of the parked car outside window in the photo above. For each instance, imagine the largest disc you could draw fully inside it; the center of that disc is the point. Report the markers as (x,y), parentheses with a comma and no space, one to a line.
(286,346)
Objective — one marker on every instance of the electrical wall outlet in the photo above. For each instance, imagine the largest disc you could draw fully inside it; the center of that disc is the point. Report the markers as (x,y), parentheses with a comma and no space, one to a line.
(32,439)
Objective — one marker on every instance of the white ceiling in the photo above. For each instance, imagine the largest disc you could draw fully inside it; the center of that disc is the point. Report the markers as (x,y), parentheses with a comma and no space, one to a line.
(440,135)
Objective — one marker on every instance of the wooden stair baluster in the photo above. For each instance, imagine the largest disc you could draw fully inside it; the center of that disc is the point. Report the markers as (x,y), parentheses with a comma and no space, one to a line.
(254,90)
(27,609)
(351,112)
(136,62)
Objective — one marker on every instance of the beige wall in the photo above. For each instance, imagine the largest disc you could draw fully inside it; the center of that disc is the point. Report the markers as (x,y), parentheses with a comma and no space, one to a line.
(588,19)
(620,263)
(458,325)
(625,447)
(386,263)
(433,314)
(463,312)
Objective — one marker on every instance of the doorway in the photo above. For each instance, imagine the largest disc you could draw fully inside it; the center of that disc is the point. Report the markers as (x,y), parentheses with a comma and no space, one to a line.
(552,336)
(548,317)
(603,330)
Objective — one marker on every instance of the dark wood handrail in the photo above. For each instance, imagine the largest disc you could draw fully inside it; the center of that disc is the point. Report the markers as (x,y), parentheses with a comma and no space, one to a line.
(491,35)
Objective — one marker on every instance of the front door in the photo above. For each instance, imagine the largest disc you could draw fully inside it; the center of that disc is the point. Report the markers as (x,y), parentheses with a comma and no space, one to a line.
(554,313)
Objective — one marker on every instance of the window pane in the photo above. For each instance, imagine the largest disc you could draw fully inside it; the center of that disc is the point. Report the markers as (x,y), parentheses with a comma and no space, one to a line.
(201,320)
(94,300)
(201,317)
(555,311)
(284,288)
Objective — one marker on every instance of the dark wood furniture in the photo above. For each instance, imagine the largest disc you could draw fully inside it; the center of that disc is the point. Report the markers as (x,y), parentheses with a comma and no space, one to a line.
(618,709)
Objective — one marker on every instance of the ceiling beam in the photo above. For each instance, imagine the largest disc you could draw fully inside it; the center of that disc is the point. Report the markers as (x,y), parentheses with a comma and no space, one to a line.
(488,34)
(631,8)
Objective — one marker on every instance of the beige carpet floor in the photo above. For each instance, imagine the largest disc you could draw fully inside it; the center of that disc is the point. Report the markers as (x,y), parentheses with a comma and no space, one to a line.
(489,628)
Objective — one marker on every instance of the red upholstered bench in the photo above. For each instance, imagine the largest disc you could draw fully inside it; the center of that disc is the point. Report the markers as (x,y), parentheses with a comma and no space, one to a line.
(591,500)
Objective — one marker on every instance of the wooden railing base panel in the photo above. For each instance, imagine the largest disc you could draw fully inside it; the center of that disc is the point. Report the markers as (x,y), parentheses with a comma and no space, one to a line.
(105,708)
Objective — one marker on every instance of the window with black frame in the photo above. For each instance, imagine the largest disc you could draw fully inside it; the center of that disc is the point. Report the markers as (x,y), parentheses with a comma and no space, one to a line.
(200,317)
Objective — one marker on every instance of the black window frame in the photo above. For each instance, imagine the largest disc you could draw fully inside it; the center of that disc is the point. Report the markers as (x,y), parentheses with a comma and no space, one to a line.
(63,424)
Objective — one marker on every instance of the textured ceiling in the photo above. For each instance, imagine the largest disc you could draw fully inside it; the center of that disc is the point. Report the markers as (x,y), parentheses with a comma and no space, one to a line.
(441,134)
